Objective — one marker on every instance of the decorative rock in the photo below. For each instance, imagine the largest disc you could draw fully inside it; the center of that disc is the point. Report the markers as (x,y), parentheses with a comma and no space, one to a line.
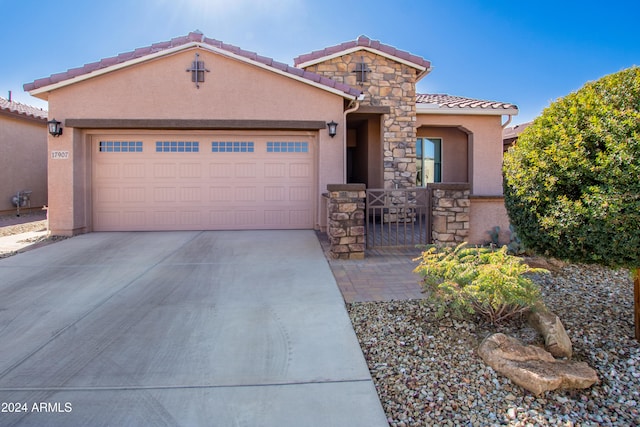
(550,264)
(556,340)
(532,367)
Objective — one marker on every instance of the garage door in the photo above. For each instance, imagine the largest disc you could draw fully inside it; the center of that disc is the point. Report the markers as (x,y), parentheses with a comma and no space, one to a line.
(203,182)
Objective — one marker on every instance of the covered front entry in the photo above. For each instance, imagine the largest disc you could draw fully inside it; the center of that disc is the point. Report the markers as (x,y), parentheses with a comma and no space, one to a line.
(203,180)
(364,149)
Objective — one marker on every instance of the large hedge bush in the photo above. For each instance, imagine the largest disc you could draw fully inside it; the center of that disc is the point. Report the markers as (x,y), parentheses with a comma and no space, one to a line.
(572,181)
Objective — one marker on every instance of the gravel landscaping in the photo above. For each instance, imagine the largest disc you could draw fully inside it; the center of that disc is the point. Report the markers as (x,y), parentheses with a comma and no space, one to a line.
(427,371)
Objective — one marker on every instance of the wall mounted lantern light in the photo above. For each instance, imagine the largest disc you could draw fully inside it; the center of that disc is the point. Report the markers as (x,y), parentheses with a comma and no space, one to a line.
(55,127)
(333,128)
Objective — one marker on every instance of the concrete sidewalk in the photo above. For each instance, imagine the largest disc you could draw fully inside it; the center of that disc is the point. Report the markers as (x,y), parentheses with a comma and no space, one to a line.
(181,329)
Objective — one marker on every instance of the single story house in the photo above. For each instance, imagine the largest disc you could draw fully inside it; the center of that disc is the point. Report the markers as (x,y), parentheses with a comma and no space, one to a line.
(197,134)
(23,156)
(511,134)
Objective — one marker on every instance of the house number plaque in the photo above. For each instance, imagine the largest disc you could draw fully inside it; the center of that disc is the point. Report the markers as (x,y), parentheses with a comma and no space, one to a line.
(60,155)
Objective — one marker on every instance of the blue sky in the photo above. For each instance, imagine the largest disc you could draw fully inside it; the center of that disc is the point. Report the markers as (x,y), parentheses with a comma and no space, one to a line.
(524,52)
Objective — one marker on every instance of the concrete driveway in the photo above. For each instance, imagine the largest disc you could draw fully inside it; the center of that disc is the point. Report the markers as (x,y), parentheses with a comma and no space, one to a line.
(179,329)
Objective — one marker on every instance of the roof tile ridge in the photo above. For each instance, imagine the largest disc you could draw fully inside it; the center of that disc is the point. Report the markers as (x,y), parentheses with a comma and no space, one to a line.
(363,40)
(195,36)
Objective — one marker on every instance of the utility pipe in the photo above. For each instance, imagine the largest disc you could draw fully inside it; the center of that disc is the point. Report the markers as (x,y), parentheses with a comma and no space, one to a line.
(507,122)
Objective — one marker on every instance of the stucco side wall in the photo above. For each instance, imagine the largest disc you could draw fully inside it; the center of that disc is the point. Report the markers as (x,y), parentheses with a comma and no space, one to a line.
(485,214)
(162,89)
(485,148)
(23,160)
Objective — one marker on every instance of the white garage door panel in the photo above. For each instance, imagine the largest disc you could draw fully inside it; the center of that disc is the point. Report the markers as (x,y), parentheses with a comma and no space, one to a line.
(269,188)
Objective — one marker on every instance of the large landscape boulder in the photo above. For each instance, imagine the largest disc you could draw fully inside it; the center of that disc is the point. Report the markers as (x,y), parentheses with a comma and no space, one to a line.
(534,368)
(556,340)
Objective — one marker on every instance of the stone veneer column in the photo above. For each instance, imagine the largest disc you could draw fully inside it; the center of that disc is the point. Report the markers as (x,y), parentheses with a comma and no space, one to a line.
(389,84)
(450,207)
(345,228)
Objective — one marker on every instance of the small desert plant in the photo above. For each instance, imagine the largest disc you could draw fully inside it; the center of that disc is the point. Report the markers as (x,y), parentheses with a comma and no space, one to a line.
(515,246)
(484,281)
(494,234)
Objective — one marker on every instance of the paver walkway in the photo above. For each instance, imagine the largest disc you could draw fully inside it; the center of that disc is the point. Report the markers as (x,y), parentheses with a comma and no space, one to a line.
(384,274)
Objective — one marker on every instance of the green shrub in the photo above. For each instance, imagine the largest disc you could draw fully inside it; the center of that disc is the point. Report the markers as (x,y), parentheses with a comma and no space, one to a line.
(571,182)
(483,281)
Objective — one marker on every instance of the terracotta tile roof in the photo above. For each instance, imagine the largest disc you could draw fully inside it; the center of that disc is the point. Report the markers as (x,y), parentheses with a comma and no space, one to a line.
(19,109)
(193,37)
(115,60)
(457,103)
(363,42)
(513,132)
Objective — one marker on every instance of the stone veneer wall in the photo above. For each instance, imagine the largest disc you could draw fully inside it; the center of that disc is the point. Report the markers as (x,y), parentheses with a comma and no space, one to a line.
(450,213)
(345,226)
(390,84)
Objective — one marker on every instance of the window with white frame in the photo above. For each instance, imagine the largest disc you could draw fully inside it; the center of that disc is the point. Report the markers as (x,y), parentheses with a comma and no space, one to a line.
(428,161)
(120,147)
(177,146)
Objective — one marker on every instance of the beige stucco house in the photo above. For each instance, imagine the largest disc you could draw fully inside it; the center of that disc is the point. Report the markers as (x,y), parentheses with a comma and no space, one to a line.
(196,134)
(23,156)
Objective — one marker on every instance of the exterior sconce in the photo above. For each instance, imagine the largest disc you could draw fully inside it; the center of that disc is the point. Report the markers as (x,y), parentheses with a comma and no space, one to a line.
(55,127)
(333,128)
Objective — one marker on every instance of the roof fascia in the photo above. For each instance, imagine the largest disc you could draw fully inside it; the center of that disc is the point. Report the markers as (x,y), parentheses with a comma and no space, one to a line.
(186,46)
(374,51)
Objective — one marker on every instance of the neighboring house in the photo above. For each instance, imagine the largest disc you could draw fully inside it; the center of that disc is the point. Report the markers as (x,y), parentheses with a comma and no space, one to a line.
(23,155)
(196,134)
(511,134)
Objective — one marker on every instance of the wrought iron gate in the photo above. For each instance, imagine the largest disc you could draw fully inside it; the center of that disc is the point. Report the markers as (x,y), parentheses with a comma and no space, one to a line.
(398,218)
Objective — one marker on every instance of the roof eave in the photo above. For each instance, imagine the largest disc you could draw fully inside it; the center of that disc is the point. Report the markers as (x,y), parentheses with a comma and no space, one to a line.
(42,92)
(23,116)
(110,69)
(423,73)
(420,68)
(466,111)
